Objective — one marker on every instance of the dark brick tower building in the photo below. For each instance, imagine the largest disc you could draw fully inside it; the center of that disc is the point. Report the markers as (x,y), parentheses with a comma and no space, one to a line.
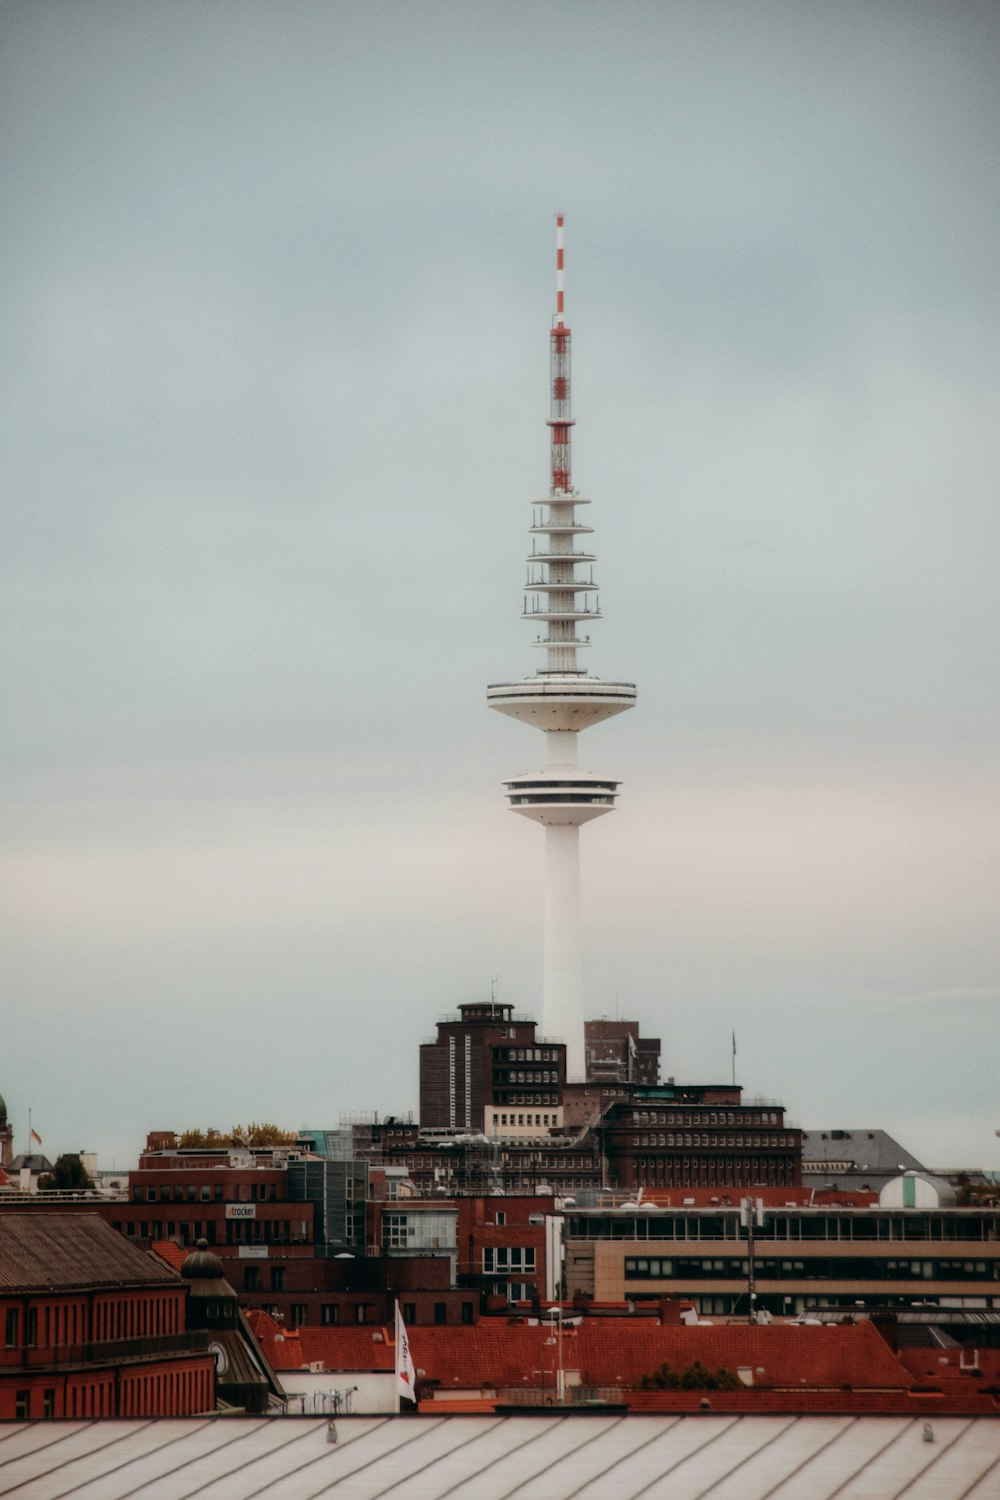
(488,1058)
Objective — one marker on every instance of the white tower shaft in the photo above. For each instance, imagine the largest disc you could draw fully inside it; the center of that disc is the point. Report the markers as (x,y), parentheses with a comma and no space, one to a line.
(562,992)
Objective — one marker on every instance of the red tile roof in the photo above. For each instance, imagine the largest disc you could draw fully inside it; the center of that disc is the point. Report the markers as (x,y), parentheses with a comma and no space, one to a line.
(171,1253)
(363,1348)
(495,1354)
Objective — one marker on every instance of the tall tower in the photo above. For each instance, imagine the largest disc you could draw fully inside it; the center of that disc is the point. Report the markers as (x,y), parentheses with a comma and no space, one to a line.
(561,699)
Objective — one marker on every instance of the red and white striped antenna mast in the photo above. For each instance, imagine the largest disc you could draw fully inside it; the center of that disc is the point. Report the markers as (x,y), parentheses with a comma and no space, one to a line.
(560,419)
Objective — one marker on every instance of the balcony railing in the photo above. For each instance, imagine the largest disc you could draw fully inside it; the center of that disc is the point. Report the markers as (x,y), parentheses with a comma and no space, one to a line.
(106,1352)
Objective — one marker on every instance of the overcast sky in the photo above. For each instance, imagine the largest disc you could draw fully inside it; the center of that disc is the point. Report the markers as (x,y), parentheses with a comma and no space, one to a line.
(277,283)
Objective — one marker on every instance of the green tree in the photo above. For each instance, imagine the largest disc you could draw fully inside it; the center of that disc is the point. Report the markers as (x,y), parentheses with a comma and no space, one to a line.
(697,1377)
(265,1134)
(68,1173)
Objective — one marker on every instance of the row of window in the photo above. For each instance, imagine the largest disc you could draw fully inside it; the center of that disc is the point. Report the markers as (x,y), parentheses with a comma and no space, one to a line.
(825,1268)
(228,1232)
(964,1227)
(535,1076)
(739,1116)
(140,1395)
(118,1318)
(525,1054)
(501,1259)
(715,1171)
(503,1096)
(529,1119)
(204,1192)
(724,1142)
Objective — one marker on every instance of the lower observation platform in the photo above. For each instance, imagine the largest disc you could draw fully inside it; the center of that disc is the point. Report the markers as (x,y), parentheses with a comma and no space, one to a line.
(566,702)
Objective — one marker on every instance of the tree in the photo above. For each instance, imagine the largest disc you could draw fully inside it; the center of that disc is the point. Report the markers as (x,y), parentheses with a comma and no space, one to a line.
(265,1134)
(69,1173)
(250,1135)
(697,1377)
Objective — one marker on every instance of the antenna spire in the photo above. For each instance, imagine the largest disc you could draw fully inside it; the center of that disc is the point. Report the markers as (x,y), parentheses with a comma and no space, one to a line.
(560,263)
(560,420)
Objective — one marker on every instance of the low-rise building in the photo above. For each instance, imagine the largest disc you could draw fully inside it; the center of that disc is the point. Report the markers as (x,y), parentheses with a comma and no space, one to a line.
(92,1326)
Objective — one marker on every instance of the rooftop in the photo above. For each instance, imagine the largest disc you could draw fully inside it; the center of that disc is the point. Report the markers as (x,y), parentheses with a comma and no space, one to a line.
(583,1456)
(71,1250)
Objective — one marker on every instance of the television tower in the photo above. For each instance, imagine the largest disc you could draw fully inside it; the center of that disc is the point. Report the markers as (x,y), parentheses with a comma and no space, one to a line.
(561,699)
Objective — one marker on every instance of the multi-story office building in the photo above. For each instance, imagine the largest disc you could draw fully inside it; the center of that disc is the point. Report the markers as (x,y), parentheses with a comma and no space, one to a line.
(852,1252)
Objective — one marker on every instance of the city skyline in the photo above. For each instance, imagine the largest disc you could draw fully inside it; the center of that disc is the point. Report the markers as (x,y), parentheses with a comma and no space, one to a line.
(272,412)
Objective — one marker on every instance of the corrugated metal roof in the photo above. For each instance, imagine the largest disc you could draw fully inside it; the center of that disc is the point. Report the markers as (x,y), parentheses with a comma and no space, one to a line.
(492,1458)
(71,1250)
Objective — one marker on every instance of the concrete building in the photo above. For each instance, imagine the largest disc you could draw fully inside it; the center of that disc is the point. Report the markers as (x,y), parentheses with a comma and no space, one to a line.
(848,1252)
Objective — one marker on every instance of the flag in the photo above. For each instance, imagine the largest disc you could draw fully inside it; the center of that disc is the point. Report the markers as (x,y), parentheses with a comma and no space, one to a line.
(406,1375)
(36,1137)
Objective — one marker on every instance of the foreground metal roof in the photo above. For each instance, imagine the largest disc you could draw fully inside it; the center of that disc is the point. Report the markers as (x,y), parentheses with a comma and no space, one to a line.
(546,1457)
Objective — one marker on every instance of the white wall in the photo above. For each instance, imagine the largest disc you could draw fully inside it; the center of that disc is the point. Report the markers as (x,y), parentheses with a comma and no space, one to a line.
(375,1391)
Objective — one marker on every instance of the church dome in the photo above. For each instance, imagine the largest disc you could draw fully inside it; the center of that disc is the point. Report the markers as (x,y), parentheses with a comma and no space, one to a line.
(202,1264)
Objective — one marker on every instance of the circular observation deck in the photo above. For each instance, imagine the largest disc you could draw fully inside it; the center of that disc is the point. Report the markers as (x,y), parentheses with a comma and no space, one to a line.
(561,797)
(561,701)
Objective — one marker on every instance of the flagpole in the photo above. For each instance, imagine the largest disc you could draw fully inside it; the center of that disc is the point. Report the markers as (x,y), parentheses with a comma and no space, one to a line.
(734,1059)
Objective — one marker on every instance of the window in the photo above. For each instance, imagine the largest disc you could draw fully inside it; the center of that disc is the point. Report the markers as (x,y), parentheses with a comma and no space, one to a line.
(251,1279)
(32,1337)
(11,1328)
(409,1312)
(499,1259)
(440,1312)
(277,1278)
(49,1402)
(22,1405)
(329,1313)
(501,1218)
(298,1314)
(395,1231)
(467,1312)
(362,1312)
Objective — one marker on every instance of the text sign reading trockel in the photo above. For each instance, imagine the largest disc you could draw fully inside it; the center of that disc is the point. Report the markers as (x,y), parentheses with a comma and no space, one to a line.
(241,1210)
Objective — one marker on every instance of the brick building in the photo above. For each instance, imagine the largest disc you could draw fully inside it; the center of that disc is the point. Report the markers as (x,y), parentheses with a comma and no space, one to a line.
(488,1071)
(699,1135)
(616,1052)
(92,1326)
